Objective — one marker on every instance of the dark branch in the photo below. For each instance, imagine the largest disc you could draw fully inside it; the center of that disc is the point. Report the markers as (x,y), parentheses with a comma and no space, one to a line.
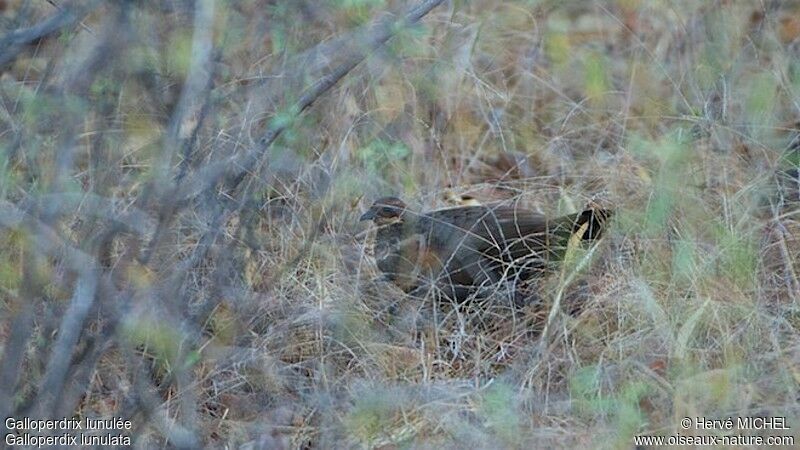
(15,41)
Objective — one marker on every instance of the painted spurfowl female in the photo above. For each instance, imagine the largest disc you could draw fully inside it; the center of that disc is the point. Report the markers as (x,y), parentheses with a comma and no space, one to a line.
(469,249)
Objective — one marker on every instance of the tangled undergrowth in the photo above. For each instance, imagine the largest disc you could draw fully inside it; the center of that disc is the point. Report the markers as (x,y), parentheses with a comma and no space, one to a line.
(180,243)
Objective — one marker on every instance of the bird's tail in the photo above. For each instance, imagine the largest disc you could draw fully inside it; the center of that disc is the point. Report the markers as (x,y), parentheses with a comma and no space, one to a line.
(590,222)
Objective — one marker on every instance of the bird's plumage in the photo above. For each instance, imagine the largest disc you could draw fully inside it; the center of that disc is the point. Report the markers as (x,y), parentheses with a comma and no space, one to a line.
(460,249)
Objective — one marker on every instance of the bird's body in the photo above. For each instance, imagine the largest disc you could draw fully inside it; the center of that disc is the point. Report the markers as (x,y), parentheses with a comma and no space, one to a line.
(458,250)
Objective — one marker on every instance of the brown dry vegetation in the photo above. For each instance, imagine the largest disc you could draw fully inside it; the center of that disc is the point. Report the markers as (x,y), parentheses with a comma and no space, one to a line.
(180,247)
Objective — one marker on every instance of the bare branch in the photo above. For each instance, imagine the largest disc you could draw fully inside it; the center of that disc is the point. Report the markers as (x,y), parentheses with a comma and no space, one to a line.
(196,82)
(14,42)
(133,220)
(68,334)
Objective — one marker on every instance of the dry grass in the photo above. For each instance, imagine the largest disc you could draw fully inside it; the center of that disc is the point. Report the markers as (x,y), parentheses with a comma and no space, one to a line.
(269,328)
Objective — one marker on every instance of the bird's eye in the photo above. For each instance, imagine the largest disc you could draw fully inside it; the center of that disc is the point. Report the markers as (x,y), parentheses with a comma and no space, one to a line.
(387,211)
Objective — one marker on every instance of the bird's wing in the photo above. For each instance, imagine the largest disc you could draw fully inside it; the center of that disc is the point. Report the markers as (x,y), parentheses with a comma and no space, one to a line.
(482,227)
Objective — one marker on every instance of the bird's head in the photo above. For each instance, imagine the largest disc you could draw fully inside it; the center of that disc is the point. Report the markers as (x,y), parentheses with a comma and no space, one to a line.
(385,210)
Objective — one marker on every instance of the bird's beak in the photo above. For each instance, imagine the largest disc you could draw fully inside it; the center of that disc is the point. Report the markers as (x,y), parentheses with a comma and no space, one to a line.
(369,215)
